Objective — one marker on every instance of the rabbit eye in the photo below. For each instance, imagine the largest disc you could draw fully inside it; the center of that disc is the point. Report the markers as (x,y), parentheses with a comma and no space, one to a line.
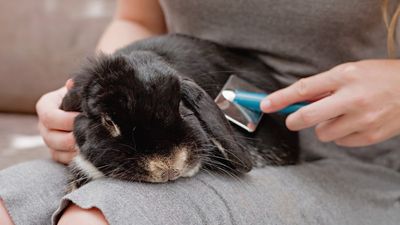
(110,125)
(188,114)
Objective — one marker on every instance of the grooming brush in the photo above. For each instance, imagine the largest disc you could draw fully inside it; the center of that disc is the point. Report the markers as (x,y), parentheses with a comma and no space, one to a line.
(240,102)
(252,100)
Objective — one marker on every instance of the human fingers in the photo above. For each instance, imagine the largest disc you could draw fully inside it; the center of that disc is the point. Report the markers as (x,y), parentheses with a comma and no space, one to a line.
(373,135)
(338,128)
(302,90)
(62,156)
(317,112)
(357,139)
(49,113)
(69,84)
(58,140)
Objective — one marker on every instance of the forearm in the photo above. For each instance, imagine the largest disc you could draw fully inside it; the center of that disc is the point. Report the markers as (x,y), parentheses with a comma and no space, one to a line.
(121,32)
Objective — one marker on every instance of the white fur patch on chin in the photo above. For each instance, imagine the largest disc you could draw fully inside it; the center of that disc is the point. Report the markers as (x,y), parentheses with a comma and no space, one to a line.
(87,167)
(180,159)
(192,171)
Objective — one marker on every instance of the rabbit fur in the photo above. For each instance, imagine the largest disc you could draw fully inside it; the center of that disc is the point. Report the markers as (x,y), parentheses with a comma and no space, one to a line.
(148,114)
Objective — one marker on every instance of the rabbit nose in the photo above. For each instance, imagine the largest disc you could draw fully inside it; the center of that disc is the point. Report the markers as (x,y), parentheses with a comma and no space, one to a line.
(170,174)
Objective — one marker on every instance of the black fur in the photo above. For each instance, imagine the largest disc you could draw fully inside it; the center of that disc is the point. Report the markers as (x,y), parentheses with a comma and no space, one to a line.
(160,93)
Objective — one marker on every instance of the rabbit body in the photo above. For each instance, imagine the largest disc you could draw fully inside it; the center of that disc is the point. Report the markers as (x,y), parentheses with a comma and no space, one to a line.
(147,113)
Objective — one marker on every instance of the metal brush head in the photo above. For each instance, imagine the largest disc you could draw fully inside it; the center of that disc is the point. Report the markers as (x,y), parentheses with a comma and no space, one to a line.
(239,115)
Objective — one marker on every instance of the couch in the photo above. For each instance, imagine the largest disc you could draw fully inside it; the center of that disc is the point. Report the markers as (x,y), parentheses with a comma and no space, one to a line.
(42,43)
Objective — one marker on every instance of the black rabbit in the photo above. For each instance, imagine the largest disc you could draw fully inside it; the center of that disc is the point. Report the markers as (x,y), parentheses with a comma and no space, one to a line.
(148,114)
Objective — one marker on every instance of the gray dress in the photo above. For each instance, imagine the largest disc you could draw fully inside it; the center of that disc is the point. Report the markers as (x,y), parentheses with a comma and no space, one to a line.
(332,186)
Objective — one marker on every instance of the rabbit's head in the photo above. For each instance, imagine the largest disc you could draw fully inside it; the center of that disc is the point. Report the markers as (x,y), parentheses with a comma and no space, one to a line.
(143,121)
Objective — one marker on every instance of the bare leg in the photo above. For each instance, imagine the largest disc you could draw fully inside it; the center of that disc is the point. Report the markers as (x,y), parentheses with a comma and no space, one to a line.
(75,215)
(5,218)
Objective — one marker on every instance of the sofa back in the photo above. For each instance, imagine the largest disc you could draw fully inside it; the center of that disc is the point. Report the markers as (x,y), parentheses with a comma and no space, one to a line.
(42,43)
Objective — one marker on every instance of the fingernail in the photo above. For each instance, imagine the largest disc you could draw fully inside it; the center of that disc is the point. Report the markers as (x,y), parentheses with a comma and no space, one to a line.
(69,83)
(265,104)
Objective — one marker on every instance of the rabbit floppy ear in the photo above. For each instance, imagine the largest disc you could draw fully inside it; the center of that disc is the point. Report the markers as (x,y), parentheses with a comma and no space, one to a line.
(215,124)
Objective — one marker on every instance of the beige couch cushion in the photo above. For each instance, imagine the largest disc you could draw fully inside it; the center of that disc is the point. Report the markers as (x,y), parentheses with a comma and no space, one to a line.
(42,42)
(20,140)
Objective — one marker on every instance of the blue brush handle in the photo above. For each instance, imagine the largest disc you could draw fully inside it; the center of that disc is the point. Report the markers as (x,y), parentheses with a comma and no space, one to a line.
(252,100)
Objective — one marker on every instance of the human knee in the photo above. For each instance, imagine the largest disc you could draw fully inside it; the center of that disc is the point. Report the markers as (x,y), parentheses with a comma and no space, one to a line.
(75,215)
(5,218)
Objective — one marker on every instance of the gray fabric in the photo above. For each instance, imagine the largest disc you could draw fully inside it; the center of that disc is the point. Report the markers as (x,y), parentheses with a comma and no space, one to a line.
(31,191)
(385,154)
(328,191)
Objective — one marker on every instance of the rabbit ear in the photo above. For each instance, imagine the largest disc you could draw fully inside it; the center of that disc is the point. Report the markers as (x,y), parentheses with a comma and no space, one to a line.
(217,127)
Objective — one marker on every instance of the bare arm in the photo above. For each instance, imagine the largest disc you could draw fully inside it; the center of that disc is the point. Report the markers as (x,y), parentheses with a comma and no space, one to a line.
(133,20)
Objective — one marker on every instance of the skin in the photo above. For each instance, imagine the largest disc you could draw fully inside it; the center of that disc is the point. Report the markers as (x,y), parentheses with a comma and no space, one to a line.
(5,218)
(74,215)
(360,103)
(55,125)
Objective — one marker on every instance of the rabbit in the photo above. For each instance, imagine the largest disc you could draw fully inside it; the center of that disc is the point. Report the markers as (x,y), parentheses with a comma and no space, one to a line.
(147,113)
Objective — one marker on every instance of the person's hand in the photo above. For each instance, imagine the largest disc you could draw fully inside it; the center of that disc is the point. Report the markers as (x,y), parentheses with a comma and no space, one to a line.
(55,125)
(359,103)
